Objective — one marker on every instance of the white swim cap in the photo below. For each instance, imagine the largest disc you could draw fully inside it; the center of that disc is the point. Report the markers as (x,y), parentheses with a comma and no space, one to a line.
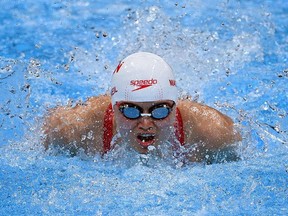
(143,77)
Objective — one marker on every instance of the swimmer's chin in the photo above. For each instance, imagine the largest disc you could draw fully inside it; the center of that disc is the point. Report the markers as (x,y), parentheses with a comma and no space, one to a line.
(145,149)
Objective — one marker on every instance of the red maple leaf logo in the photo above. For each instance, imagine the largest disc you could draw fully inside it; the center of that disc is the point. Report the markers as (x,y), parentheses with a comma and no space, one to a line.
(118,67)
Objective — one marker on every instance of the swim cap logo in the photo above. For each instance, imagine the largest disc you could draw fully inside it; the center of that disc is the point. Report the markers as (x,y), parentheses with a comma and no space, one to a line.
(113,91)
(141,84)
(118,67)
(172,82)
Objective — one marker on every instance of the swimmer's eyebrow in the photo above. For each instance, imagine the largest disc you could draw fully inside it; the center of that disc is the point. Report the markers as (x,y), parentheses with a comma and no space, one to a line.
(127,103)
(153,104)
(169,103)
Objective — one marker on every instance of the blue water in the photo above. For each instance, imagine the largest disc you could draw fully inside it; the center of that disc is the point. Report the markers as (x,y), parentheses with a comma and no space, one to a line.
(231,55)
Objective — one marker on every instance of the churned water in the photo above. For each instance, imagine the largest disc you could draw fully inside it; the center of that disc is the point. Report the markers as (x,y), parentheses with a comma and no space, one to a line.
(231,55)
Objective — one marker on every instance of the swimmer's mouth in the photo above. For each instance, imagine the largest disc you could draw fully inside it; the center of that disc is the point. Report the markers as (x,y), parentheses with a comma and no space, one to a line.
(146,139)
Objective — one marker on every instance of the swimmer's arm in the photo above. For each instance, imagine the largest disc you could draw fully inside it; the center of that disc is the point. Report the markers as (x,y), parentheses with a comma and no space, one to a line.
(203,124)
(77,127)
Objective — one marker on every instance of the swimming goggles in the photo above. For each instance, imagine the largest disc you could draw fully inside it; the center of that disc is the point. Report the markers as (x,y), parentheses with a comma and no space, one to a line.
(132,111)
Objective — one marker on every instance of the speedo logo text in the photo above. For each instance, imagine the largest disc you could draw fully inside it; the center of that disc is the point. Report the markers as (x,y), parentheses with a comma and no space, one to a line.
(141,84)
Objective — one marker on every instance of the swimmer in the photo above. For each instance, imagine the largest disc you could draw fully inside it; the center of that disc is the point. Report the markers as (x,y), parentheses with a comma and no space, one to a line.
(142,110)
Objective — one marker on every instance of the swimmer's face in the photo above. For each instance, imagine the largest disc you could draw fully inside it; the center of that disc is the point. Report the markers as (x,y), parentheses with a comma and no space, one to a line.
(144,124)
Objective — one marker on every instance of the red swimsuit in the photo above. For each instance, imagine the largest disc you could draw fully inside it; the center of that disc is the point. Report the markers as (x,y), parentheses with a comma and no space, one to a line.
(108,128)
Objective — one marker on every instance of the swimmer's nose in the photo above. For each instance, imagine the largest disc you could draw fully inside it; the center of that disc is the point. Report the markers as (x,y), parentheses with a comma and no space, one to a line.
(146,128)
(146,123)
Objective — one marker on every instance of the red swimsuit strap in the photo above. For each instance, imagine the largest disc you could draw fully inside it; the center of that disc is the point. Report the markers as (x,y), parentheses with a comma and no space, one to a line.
(179,129)
(108,128)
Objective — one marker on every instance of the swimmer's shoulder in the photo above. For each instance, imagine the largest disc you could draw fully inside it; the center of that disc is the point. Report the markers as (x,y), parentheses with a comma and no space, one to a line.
(95,107)
(190,109)
(100,102)
(88,112)
(206,124)
(194,109)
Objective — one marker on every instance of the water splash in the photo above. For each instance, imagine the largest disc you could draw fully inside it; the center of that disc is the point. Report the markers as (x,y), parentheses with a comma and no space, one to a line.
(230,55)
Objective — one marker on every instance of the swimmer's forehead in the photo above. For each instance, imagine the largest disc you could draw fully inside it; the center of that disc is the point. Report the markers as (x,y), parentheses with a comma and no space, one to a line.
(148,103)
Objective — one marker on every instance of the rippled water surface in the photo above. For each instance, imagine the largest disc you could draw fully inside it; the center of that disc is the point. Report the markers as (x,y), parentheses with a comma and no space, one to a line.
(231,55)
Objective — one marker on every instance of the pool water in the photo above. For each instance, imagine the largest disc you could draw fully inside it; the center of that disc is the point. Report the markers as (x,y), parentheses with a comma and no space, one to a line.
(231,55)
